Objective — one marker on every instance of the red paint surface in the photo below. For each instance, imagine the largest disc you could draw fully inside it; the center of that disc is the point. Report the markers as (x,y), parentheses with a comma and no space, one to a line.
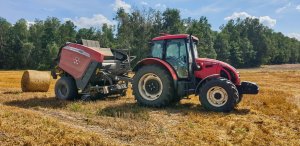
(159,61)
(216,68)
(68,57)
(175,36)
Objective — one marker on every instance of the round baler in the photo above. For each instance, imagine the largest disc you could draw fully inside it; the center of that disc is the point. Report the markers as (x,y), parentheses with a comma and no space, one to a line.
(88,71)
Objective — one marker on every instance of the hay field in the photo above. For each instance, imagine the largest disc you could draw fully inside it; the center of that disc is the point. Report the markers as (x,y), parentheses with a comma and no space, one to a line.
(270,118)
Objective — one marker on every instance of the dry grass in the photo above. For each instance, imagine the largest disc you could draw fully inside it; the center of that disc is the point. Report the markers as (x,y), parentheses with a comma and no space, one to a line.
(270,118)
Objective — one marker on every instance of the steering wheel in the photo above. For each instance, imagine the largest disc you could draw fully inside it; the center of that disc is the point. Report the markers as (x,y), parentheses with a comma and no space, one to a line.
(172,59)
(176,61)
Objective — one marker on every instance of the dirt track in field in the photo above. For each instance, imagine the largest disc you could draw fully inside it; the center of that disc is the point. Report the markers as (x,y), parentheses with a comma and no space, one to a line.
(270,118)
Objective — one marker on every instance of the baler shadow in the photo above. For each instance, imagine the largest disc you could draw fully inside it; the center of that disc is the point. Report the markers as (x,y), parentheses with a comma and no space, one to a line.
(45,102)
(98,98)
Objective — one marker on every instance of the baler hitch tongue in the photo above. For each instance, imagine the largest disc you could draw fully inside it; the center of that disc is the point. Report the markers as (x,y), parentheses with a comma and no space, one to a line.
(131,58)
(54,74)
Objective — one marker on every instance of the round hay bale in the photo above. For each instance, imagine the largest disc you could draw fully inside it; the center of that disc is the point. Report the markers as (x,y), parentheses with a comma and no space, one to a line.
(35,81)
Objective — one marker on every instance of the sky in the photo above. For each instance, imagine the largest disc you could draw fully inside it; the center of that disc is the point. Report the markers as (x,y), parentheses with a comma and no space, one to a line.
(280,15)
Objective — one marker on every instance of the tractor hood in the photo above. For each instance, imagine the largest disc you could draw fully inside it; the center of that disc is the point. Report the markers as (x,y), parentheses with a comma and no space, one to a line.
(215,66)
(207,61)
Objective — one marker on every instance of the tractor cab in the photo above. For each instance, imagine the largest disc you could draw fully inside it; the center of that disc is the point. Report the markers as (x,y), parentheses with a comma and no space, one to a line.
(179,51)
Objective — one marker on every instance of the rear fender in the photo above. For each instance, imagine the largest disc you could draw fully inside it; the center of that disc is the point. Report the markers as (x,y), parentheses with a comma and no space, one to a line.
(201,83)
(157,61)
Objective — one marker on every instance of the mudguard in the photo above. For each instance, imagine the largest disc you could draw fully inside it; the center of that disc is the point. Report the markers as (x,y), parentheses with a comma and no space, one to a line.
(205,79)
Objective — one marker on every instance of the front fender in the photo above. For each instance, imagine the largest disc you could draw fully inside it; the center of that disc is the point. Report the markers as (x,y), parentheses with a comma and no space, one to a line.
(204,80)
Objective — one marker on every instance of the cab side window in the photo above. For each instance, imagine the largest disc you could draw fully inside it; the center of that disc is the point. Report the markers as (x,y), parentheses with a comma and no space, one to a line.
(157,49)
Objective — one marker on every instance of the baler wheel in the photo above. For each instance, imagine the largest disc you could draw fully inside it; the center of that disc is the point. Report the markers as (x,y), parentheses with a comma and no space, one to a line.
(219,95)
(153,86)
(66,89)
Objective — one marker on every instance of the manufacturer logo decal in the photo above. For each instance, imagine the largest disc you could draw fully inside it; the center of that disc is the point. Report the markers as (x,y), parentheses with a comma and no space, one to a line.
(76,61)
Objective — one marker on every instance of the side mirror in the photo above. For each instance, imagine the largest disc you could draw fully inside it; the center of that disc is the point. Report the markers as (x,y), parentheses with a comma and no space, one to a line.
(196,67)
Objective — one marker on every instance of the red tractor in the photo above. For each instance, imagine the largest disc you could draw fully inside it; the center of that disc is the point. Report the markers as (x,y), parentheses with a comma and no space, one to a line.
(172,72)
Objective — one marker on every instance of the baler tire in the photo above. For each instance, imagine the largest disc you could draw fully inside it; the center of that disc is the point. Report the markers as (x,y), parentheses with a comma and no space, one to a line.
(167,93)
(68,84)
(220,86)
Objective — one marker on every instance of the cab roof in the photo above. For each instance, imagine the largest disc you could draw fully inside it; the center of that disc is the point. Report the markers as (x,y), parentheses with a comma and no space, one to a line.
(173,36)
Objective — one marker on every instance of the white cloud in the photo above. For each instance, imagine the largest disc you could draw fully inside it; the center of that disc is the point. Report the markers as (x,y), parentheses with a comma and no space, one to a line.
(144,3)
(266,20)
(236,15)
(160,6)
(29,23)
(121,4)
(294,35)
(281,9)
(96,21)
(298,7)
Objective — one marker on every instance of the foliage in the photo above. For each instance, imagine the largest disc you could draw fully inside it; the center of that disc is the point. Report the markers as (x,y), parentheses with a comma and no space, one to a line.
(242,43)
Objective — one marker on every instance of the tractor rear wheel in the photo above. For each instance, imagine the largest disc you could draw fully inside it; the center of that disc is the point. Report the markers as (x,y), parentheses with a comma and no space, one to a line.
(153,86)
(219,95)
(65,88)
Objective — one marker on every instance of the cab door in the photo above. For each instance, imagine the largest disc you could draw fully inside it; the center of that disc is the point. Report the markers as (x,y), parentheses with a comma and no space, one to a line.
(176,54)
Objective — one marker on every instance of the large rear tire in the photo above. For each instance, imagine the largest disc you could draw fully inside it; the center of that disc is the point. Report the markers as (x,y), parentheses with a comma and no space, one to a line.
(153,86)
(66,89)
(219,95)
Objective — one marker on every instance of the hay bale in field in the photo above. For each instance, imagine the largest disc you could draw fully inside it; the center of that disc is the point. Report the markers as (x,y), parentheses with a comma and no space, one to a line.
(35,81)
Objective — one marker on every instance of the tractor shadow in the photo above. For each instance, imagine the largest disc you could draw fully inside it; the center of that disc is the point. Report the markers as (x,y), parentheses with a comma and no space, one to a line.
(190,108)
(123,110)
(135,111)
(45,102)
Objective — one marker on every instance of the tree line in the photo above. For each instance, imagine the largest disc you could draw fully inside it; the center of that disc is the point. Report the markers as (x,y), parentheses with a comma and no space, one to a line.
(241,42)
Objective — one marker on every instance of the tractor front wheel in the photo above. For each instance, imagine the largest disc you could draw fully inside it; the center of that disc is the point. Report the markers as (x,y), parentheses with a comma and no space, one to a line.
(219,95)
(153,86)
(65,88)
